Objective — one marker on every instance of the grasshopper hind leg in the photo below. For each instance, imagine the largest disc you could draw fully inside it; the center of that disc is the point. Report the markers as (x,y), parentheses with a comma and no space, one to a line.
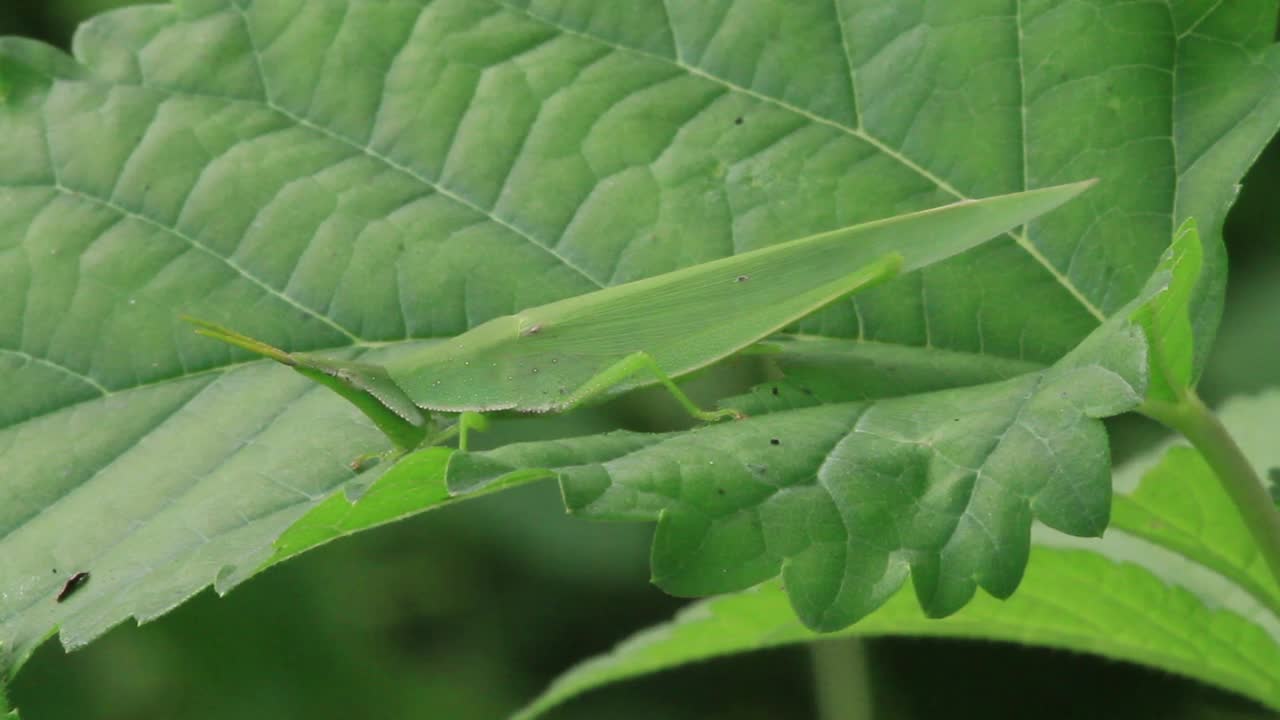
(635,364)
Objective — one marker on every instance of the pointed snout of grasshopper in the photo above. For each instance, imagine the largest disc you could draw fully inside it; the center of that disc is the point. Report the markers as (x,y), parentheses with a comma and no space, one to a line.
(227,335)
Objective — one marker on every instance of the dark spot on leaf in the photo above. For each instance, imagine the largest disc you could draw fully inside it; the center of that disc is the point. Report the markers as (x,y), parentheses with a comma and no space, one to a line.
(775,392)
(73,583)
(775,441)
(720,490)
(738,120)
(364,462)
(742,278)
(806,391)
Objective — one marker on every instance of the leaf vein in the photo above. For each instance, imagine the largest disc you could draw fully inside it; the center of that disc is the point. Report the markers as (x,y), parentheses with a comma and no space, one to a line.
(387,160)
(102,389)
(858,132)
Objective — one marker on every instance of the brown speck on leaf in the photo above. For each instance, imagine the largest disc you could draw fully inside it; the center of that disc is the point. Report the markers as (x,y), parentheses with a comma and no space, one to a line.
(774,391)
(73,583)
(742,278)
(775,441)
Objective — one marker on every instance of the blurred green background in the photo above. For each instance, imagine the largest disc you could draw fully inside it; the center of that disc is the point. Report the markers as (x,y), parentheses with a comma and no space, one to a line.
(470,611)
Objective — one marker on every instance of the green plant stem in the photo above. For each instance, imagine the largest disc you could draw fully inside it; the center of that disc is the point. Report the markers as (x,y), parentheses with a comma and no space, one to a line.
(1190,417)
(841,681)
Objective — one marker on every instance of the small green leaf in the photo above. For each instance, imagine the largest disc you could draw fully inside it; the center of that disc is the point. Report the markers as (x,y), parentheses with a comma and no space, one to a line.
(1166,318)
(413,485)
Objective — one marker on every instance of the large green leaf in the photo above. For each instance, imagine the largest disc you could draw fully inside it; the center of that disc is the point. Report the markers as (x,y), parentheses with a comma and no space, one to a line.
(368,176)
(1175,583)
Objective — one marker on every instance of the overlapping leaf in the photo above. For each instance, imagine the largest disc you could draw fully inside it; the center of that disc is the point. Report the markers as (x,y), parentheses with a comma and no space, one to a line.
(1176,558)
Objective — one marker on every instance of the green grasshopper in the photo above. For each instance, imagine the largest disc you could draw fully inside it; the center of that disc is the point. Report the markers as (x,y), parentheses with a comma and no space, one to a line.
(588,348)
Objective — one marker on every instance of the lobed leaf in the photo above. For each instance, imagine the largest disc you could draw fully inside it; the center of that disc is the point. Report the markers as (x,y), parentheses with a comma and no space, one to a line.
(1177,557)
